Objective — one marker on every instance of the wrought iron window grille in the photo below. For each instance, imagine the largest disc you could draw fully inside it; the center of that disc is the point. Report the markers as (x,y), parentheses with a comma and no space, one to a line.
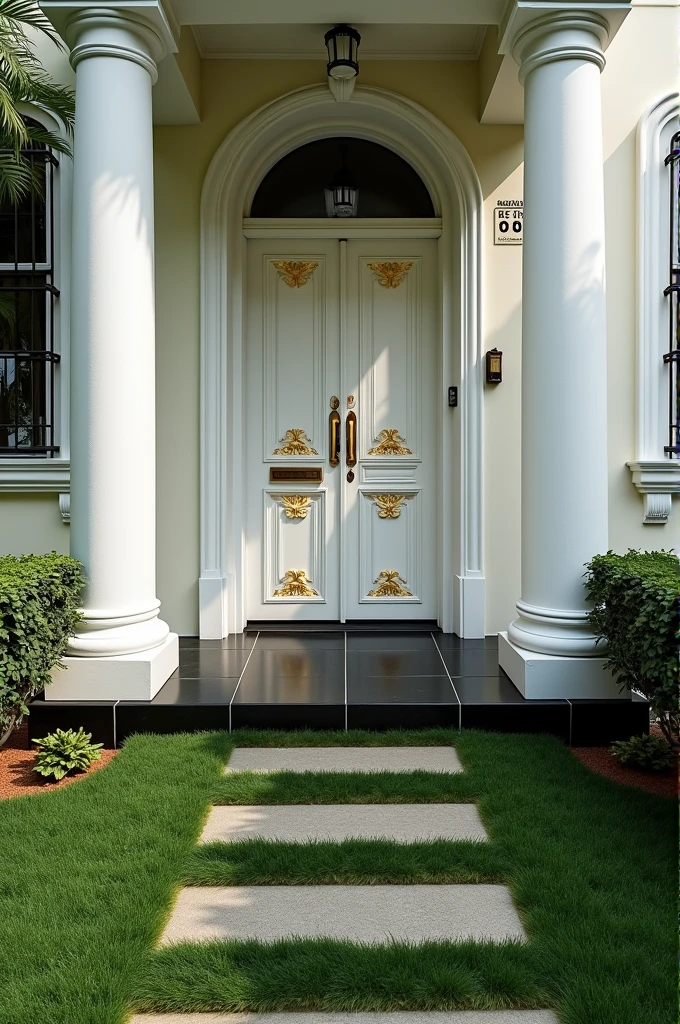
(27,331)
(672,293)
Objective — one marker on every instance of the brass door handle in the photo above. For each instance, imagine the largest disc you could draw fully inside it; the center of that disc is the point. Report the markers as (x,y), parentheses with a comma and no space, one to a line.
(351,439)
(334,426)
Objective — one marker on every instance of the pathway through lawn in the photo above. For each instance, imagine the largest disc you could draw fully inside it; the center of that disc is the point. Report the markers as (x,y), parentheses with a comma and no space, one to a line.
(574,885)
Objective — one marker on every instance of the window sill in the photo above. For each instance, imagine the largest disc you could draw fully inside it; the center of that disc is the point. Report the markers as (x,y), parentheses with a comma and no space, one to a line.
(37,476)
(657,481)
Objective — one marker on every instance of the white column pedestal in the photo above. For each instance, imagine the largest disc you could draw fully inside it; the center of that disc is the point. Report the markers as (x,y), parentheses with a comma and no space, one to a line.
(126,677)
(548,677)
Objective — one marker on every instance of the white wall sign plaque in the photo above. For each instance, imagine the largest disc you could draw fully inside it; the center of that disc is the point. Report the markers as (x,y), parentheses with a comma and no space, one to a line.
(508,222)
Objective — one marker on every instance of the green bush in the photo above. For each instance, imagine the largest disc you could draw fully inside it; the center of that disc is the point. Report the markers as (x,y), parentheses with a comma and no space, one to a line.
(63,750)
(39,598)
(651,753)
(636,610)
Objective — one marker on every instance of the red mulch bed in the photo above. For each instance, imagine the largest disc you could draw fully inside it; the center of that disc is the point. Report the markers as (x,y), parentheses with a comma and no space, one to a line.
(17,777)
(599,760)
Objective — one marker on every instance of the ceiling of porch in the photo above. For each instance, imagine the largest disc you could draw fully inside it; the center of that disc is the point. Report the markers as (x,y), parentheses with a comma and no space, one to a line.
(378,41)
(310,12)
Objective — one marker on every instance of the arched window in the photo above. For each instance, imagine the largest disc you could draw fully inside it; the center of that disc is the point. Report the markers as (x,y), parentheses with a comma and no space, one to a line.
(27,295)
(386,185)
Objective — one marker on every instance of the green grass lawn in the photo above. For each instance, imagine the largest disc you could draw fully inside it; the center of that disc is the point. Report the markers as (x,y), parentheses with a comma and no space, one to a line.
(87,876)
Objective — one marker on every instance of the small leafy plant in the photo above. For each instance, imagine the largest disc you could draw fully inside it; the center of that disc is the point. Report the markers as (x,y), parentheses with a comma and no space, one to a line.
(651,753)
(63,750)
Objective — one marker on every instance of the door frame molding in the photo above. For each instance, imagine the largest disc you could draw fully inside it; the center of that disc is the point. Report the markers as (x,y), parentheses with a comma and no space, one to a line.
(236,170)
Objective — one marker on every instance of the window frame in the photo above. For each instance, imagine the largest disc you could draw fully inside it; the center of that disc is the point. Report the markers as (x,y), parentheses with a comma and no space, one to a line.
(45,473)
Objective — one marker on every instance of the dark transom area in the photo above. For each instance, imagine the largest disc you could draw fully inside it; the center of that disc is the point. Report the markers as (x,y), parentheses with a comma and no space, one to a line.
(388,186)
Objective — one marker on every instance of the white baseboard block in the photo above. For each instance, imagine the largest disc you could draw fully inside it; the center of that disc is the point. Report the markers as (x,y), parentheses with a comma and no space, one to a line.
(212,607)
(124,677)
(469,612)
(547,677)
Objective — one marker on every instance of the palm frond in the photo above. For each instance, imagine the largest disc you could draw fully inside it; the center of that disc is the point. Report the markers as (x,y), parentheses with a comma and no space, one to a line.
(8,309)
(18,177)
(37,133)
(23,79)
(59,100)
(27,12)
(11,120)
(15,56)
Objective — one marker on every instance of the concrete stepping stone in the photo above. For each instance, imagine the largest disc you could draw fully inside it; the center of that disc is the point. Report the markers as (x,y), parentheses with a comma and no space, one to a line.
(403,823)
(359,913)
(343,759)
(399,1017)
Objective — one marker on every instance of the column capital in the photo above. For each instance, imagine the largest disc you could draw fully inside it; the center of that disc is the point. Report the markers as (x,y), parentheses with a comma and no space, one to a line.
(560,35)
(129,30)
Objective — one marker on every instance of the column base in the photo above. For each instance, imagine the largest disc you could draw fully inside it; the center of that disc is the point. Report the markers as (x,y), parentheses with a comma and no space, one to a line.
(212,607)
(123,677)
(550,677)
(469,606)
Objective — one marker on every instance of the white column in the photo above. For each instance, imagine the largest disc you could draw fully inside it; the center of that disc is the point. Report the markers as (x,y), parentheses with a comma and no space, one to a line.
(564,370)
(122,650)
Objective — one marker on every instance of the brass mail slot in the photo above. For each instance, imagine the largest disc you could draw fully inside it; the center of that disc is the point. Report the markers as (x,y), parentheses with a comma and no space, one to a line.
(296,474)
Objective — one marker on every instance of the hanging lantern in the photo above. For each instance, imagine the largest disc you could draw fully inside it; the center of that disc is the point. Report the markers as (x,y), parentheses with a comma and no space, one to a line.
(342,195)
(342,43)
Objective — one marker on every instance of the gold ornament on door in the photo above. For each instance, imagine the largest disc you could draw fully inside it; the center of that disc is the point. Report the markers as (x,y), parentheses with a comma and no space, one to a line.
(389,585)
(389,505)
(295,273)
(295,584)
(390,275)
(296,506)
(295,443)
(390,444)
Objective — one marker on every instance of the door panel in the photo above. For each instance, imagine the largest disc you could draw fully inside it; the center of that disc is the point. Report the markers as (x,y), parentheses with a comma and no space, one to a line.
(292,366)
(390,507)
(356,320)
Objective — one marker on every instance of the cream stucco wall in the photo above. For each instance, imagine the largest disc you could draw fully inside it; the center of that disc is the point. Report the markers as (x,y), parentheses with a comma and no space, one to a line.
(641,65)
(32,523)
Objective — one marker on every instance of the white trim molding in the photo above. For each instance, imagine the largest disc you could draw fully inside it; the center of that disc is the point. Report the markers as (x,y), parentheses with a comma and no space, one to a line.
(657,478)
(34,476)
(657,482)
(236,171)
(340,227)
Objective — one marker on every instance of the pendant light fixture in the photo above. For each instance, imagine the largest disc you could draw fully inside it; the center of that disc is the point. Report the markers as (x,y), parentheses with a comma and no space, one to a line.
(342,44)
(342,195)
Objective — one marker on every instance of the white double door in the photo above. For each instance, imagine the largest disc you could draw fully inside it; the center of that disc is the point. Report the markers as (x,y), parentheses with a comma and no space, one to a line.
(341,518)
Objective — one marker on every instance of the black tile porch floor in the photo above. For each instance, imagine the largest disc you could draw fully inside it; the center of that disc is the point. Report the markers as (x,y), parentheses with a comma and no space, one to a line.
(343,679)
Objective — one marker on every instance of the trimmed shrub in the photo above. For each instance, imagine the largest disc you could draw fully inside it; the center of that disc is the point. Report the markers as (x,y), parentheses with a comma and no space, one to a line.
(39,599)
(636,599)
(650,753)
(63,750)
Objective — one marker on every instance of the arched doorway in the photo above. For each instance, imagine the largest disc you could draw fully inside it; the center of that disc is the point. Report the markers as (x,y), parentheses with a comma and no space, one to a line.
(239,168)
